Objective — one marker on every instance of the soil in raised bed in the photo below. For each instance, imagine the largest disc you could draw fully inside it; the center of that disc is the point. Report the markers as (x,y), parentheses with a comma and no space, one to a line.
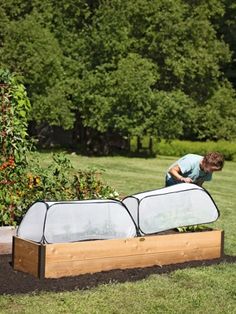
(15,282)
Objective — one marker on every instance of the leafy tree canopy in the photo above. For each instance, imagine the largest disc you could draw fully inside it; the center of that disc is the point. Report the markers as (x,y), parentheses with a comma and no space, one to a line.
(130,67)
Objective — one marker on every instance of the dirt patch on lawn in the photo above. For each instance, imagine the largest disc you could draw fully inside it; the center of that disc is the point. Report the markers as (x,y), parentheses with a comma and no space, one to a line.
(15,282)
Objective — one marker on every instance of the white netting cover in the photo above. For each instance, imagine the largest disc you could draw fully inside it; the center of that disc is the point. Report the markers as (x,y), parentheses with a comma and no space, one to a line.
(31,227)
(171,207)
(56,222)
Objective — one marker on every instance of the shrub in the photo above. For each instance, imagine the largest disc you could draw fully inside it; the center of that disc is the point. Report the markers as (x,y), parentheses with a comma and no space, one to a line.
(88,185)
(179,148)
(53,183)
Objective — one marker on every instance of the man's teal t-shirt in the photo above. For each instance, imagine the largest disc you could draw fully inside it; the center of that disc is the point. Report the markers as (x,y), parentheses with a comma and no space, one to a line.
(190,167)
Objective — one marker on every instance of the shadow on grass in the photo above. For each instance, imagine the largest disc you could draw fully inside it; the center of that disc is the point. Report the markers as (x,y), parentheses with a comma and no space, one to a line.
(115,153)
(14,282)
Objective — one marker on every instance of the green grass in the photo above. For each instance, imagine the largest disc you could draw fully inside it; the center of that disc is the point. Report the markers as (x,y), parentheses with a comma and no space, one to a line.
(200,290)
(196,290)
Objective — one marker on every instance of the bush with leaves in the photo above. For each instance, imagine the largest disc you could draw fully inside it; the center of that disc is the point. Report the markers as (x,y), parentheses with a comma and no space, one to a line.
(53,183)
(88,185)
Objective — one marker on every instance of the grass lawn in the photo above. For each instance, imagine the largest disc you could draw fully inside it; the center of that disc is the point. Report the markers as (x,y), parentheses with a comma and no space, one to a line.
(194,290)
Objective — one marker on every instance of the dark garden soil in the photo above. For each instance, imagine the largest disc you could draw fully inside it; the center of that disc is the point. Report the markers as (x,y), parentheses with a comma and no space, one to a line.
(14,282)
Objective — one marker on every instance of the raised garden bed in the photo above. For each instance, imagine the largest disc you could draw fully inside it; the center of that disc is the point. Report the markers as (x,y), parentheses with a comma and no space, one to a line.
(69,238)
(71,259)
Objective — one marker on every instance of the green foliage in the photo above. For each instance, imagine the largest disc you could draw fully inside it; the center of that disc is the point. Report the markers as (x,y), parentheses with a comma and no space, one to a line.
(5,77)
(133,82)
(14,145)
(125,67)
(170,35)
(216,119)
(166,34)
(119,99)
(172,114)
(195,228)
(15,109)
(57,183)
(179,148)
(88,185)
(34,53)
(53,183)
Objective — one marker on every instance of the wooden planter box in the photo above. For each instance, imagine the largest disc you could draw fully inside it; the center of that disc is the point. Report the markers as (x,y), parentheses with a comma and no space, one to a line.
(71,259)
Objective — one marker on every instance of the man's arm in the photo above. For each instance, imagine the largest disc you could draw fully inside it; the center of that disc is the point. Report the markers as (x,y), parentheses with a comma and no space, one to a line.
(175,172)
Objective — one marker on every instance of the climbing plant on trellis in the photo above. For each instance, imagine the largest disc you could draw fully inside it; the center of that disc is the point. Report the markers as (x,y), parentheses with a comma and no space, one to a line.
(13,143)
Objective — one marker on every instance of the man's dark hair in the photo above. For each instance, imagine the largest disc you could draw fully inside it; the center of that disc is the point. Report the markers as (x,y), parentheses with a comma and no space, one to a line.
(214,159)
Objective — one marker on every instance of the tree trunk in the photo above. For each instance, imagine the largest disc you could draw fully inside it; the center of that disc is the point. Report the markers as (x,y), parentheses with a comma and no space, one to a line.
(139,144)
(150,146)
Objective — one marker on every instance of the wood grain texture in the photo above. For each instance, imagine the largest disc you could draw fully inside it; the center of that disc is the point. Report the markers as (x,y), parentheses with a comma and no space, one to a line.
(70,259)
(26,256)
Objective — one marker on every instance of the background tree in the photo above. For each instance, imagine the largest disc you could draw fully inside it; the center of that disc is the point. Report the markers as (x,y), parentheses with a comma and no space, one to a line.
(123,67)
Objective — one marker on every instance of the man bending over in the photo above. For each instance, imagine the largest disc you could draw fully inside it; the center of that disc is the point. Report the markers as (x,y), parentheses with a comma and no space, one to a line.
(195,169)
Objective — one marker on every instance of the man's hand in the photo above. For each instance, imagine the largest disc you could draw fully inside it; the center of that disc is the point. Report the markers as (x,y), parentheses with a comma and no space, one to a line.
(186,180)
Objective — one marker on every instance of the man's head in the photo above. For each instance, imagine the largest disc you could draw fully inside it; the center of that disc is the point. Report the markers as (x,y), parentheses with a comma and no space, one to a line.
(212,162)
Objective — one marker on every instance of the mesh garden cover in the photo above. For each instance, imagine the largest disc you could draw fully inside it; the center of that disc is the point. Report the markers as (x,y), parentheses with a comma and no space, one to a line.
(55,222)
(179,205)
(151,212)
